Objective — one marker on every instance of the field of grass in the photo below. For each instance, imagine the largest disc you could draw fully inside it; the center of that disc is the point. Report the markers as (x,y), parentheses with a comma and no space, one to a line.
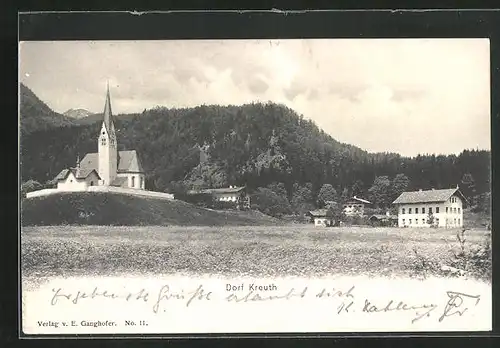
(296,250)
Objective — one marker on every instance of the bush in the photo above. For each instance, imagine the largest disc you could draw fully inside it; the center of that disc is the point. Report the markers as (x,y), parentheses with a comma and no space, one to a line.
(224,205)
(29,186)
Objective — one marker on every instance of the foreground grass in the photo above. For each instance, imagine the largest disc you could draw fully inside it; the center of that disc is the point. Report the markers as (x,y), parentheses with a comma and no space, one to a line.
(300,250)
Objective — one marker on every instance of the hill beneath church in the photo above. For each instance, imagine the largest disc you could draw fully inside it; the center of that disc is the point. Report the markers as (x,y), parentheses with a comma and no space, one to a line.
(107,208)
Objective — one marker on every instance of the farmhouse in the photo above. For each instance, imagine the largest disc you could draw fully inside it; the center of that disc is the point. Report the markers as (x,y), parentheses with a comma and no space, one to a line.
(108,166)
(355,206)
(231,194)
(440,208)
(320,218)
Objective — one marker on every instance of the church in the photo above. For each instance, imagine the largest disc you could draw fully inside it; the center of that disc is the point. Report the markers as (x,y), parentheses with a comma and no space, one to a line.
(108,166)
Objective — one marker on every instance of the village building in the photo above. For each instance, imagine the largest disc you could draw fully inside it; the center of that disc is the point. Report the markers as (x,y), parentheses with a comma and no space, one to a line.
(355,206)
(320,218)
(386,219)
(232,194)
(108,166)
(426,208)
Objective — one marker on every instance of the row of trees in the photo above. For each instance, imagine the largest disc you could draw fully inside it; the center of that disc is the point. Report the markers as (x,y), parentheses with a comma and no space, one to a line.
(255,145)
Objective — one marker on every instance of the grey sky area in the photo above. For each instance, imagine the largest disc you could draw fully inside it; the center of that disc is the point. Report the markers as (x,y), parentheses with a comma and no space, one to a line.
(407,96)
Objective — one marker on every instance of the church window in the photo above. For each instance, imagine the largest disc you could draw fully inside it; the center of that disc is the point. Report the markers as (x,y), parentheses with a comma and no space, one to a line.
(133,181)
(91,183)
(103,141)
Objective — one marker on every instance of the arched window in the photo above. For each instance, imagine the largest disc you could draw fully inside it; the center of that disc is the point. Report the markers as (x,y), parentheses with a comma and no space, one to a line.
(142,182)
(133,181)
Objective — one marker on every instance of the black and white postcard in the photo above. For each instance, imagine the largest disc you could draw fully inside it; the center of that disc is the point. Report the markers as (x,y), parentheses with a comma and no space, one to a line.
(253,186)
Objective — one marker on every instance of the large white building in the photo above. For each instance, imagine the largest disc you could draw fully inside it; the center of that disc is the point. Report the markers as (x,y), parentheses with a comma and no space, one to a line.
(108,166)
(445,207)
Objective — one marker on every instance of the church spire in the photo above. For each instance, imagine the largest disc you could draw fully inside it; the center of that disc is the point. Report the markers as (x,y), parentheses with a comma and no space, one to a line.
(107,110)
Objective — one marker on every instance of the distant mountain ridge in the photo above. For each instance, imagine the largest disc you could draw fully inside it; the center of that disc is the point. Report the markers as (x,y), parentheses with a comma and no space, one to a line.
(36,115)
(77,113)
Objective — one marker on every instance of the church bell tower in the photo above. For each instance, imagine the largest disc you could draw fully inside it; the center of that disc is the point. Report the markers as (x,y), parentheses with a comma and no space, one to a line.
(107,146)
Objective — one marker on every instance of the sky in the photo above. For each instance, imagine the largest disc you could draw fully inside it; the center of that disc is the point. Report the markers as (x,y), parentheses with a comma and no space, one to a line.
(407,96)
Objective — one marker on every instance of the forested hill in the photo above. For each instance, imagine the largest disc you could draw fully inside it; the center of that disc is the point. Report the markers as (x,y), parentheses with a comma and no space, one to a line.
(36,115)
(258,145)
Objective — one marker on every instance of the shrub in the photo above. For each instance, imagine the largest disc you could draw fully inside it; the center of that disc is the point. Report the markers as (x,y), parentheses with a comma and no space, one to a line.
(29,186)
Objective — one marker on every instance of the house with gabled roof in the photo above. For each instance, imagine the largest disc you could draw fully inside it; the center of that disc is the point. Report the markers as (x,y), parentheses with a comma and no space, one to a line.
(107,166)
(426,208)
(355,206)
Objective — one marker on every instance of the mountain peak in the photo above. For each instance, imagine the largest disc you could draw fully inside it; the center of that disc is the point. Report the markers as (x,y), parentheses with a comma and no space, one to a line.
(77,113)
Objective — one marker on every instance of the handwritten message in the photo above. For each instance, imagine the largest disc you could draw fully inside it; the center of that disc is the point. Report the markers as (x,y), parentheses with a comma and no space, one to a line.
(338,305)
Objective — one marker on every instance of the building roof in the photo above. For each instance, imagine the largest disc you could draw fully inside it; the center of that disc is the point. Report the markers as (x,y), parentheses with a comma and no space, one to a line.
(218,190)
(78,174)
(383,217)
(318,212)
(427,196)
(128,162)
(357,199)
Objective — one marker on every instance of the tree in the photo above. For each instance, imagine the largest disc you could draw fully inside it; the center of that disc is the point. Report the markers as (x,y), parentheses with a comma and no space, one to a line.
(357,188)
(380,192)
(278,188)
(336,213)
(302,198)
(270,203)
(29,186)
(468,186)
(400,184)
(327,193)
(430,219)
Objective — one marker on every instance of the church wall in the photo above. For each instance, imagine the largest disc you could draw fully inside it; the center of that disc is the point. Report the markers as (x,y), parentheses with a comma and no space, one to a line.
(134,180)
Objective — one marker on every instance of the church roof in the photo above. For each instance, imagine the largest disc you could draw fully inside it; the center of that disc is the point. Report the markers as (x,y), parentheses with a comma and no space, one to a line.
(78,174)
(128,162)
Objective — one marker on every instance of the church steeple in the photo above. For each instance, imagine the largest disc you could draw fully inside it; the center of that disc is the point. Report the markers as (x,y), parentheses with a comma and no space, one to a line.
(108,116)
(107,146)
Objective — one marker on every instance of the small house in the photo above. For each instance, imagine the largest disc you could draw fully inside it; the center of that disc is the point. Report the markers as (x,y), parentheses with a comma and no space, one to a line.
(355,206)
(320,218)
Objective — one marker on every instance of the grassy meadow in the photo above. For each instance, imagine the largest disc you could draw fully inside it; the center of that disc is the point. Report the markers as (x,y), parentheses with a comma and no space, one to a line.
(292,250)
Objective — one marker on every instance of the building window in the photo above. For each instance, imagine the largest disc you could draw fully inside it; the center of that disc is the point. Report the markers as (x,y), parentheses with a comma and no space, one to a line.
(454,221)
(103,141)
(71,180)
(459,210)
(437,210)
(437,221)
(459,221)
(430,210)
(423,210)
(409,210)
(409,221)
(403,211)
(91,183)
(133,181)
(447,209)
(423,221)
(142,182)
(416,221)
(403,221)
(454,210)
(416,210)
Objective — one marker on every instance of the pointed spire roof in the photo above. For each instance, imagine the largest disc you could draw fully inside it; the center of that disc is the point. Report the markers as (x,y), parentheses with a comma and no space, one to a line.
(108,115)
